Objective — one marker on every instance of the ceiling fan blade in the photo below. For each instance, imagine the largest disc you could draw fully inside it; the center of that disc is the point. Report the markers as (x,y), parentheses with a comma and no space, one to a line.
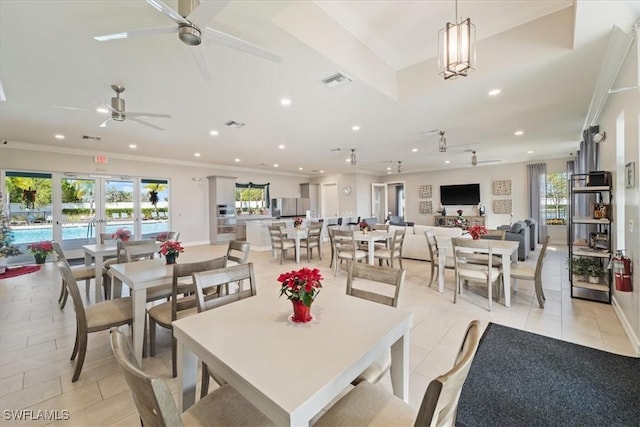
(71,108)
(206,11)
(488,161)
(137,33)
(131,115)
(142,122)
(239,44)
(172,14)
(200,56)
(104,124)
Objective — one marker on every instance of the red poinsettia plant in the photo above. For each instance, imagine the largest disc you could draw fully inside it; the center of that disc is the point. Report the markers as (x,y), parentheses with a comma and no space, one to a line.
(123,234)
(301,285)
(171,247)
(363,225)
(477,231)
(40,248)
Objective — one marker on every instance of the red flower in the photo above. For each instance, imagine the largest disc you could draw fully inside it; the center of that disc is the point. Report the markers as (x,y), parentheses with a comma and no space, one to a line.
(41,248)
(122,234)
(302,285)
(297,222)
(171,247)
(476,231)
(363,225)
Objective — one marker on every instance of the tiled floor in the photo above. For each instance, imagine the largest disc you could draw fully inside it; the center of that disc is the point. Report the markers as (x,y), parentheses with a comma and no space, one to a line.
(36,337)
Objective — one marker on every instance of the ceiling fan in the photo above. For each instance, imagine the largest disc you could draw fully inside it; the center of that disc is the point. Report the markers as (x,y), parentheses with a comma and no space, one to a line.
(191,18)
(474,159)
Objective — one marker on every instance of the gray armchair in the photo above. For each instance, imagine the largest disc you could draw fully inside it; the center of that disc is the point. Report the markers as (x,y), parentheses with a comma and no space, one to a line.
(518,232)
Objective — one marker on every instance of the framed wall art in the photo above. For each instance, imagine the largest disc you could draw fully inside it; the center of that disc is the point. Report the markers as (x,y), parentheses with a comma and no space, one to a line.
(424,191)
(630,175)
(502,206)
(502,188)
(426,207)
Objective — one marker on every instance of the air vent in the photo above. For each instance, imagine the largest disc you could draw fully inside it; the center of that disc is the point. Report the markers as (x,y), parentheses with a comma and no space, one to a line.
(336,80)
(93,138)
(234,124)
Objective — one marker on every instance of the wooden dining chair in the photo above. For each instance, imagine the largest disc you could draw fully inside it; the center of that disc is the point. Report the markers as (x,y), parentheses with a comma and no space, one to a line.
(330,229)
(180,306)
(364,281)
(80,272)
(372,405)
(156,407)
(346,248)
(474,272)
(118,259)
(525,272)
(394,252)
(434,255)
(312,240)
(94,318)
(279,241)
(237,253)
(208,285)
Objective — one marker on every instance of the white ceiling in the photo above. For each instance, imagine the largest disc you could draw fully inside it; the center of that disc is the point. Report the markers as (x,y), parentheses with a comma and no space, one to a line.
(544,55)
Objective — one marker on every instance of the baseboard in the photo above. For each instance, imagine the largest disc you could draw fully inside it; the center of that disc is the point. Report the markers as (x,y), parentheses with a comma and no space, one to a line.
(635,341)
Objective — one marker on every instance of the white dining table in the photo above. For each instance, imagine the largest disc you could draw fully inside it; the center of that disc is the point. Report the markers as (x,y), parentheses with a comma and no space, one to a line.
(139,276)
(291,371)
(371,237)
(97,252)
(506,249)
(297,234)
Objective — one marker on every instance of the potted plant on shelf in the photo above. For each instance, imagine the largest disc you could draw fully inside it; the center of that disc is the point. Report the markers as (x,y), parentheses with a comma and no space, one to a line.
(579,268)
(171,250)
(40,250)
(301,287)
(595,271)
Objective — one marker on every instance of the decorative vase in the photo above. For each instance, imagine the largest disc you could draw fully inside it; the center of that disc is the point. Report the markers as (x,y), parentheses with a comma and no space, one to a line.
(40,259)
(170,258)
(301,313)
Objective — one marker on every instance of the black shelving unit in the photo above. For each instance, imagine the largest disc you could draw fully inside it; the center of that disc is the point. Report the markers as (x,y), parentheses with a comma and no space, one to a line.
(590,234)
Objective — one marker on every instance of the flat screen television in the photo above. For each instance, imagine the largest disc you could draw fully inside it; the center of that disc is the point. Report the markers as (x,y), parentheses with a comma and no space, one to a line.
(464,194)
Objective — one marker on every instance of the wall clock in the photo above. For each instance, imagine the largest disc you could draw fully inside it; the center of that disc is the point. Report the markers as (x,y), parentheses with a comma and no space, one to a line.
(347,190)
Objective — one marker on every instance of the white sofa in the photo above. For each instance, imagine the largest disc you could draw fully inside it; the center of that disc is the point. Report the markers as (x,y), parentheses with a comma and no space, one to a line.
(415,242)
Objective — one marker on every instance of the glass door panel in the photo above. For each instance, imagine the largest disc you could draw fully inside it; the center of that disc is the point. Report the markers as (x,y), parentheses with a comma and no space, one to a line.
(118,211)
(77,216)
(28,206)
(379,202)
(154,208)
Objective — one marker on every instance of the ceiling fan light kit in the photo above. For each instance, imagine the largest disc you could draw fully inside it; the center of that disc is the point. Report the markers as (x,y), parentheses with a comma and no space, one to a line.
(457,48)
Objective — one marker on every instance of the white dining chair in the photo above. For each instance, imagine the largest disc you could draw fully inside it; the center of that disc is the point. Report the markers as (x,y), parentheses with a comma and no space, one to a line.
(466,272)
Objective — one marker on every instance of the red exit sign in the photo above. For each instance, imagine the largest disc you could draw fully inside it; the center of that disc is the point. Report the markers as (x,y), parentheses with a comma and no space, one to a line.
(100,159)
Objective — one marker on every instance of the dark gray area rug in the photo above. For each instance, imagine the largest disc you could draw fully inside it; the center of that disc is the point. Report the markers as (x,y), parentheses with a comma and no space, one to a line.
(522,379)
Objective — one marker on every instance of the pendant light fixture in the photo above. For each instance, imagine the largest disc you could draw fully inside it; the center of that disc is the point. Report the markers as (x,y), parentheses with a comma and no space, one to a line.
(457,44)
(442,144)
(353,157)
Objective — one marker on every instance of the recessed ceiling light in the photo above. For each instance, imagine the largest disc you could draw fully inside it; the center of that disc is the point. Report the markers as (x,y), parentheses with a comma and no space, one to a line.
(197,154)
(300,169)
(494,92)
(348,160)
(59,136)
(275,165)
(281,146)
(102,110)
(321,171)
(355,128)
(388,168)
(132,146)
(415,150)
(285,101)
(530,152)
(213,132)
(518,133)
(236,160)
(389,173)
(447,161)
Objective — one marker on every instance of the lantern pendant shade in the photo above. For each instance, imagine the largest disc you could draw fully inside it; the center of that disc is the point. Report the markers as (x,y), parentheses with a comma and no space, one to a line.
(457,54)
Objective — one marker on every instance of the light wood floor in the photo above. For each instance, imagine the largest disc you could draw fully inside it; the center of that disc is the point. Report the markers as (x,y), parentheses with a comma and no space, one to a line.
(36,337)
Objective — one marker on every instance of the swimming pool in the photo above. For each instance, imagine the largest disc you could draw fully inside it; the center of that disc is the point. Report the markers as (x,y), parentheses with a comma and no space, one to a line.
(38,233)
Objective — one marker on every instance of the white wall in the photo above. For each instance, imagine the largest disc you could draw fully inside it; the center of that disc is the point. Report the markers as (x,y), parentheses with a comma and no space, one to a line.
(623,146)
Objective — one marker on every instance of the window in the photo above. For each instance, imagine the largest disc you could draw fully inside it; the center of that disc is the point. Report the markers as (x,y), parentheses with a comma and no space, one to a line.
(555,203)
(252,199)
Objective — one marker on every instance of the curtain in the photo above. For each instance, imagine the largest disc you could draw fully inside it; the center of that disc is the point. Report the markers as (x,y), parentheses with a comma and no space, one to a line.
(537,174)
(265,187)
